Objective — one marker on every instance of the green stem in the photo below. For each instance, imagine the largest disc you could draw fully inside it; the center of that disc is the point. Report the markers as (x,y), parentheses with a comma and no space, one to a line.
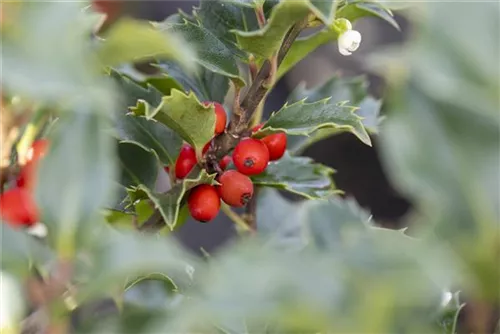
(235,217)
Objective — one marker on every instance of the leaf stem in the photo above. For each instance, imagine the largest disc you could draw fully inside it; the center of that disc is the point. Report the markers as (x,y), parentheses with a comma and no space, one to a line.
(236,218)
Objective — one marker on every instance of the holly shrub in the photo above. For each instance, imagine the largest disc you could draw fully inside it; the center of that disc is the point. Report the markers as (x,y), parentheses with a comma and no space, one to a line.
(98,106)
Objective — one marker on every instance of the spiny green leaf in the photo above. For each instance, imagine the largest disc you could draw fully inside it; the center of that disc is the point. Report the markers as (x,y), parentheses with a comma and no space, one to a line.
(184,114)
(303,118)
(150,135)
(266,41)
(169,203)
(131,40)
(339,89)
(212,53)
(299,175)
(138,165)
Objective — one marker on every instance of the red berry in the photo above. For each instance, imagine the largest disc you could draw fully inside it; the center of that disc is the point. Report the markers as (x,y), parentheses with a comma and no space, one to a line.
(18,207)
(236,189)
(220,117)
(224,162)
(37,150)
(250,156)
(167,169)
(276,144)
(204,203)
(185,162)
(206,147)
(27,177)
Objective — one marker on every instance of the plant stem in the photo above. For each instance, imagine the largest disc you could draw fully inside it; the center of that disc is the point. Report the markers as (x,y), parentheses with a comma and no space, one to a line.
(255,95)
(250,216)
(239,221)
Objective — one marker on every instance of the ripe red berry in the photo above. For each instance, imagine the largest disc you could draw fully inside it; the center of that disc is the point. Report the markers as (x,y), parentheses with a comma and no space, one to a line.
(204,203)
(27,177)
(167,169)
(37,150)
(220,117)
(18,207)
(236,189)
(185,162)
(250,156)
(224,162)
(276,145)
(206,147)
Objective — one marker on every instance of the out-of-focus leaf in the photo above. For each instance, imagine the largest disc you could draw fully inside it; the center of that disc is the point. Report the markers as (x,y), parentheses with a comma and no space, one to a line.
(354,9)
(299,175)
(132,40)
(212,53)
(120,258)
(20,252)
(75,179)
(441,139)
(277,220)
(33,65)
(302,118)
(353,90)
(169,203)
(138,166)
(185,115)
(150,135)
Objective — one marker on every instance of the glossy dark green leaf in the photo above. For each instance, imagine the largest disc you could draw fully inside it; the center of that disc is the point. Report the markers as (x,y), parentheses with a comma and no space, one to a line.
(138,166)
(150,90)
(355,9)
(185,115)
(338,89)
(170,203)
(206,85)
(150,135)
(21,252)
(75,179)
(303,118)
(132,40)
(299,175)
(266,41)
(212,53)
(220,17)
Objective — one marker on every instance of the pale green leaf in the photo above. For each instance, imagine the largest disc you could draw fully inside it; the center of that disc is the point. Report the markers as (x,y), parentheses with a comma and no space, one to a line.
(184,114)
(169,203)
(75,179)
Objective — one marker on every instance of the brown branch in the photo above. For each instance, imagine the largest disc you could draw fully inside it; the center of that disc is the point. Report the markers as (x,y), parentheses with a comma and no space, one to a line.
(238,127)
(250,215)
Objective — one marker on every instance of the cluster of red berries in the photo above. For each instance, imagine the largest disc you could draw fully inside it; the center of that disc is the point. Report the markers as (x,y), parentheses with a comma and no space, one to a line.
(250,157)
(17,205)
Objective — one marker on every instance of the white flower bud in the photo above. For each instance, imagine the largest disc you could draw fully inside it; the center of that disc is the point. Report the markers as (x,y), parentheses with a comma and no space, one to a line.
(349,42)
(11,304)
